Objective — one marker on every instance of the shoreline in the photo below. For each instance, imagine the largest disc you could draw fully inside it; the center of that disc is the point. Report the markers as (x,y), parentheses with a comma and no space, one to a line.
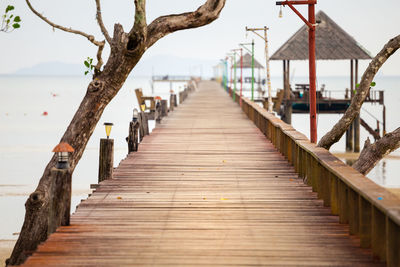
(6,247)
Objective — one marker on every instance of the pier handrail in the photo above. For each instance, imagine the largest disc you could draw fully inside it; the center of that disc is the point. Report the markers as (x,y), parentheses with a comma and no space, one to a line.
(372,212)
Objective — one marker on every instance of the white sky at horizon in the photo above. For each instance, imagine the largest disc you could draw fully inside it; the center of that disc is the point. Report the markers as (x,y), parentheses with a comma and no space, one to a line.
(371,23)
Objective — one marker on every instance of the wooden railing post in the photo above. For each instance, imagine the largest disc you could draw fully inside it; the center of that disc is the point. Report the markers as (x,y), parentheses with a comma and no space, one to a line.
(393,243)
(144,125)
(60,199)
(171,102)
(133,137)
(106,159)
(365,213)
(378,234)
(180,97)
(164,108)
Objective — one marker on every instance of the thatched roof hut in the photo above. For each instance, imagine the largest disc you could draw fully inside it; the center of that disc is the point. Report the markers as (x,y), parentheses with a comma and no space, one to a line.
(247,62)
(331,42)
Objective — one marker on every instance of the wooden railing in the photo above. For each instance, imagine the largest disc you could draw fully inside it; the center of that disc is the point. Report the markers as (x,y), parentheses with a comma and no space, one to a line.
(372,212)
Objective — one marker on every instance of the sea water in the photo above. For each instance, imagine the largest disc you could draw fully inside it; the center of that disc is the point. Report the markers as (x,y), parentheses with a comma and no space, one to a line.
(35,111)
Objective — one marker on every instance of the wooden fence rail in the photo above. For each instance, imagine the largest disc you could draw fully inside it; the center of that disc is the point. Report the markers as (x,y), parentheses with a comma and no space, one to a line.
(372,212)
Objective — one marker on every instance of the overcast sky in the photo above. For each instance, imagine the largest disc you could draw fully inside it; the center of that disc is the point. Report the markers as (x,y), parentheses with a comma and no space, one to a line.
(371,22)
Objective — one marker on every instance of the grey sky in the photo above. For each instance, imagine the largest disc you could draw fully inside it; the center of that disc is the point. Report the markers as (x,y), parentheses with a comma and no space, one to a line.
(372,23)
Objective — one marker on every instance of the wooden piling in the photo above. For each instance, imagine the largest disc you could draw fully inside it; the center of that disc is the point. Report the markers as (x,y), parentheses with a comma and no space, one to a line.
(175,100)
(60,199)
(133,137)
(349,139)
(106,159)
(171,102)
(356,127)
(164,108)
(144,125)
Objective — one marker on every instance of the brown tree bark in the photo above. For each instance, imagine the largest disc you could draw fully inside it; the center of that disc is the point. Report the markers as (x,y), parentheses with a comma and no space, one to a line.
(353,110)
(126,51)
(372,154)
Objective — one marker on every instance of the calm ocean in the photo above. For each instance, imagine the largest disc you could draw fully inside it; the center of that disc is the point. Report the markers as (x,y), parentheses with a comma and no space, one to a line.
(27,135)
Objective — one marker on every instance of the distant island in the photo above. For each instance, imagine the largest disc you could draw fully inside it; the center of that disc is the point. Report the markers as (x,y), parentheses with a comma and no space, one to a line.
(158,65)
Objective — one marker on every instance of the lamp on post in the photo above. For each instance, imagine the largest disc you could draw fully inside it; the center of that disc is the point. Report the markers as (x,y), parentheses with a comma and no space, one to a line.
(311,52)
(108,126)
(235,67)
(62,150)
(135,115)
(265,38)
(252,65)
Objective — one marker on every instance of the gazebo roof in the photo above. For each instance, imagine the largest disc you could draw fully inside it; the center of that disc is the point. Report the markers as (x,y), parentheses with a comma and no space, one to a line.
(247,62)
(331,42)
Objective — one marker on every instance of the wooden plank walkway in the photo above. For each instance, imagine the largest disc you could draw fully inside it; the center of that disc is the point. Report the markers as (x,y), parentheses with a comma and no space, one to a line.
(206,188)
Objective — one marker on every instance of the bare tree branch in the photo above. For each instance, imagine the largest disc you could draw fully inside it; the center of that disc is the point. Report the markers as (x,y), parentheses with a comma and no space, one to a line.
(99,59)
(353,110)
(91,38)
(165,25)
(88,36)
(372,154)
(137,35)
(140,25)
(100,22)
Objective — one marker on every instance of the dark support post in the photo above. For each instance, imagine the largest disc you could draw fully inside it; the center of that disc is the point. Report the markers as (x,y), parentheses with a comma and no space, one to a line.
(180,97)
(60,199)
(384,120)
(164,108)
(158,113)
(287,116)
(365,217)
(106,159)
(393,243)
(175,100)
(171,102)
(357,119)
(144,125)
(349,139)
(356,133)
(133,138)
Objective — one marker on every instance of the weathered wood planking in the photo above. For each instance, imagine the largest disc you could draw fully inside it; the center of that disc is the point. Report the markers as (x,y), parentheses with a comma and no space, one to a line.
(205,188)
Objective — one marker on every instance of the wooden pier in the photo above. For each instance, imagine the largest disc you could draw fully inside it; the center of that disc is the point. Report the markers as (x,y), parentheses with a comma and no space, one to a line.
(207,187)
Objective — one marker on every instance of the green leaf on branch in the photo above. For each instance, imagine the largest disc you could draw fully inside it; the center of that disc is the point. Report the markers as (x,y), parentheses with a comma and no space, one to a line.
(17,19)
(16,26)
(88,64)
(357,85)
(373,84)
(9,8)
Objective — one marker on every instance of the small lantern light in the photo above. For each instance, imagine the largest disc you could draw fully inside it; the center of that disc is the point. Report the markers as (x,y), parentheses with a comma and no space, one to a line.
(62,150)
(280,12)
(135,115)
(143,107)
(108,126)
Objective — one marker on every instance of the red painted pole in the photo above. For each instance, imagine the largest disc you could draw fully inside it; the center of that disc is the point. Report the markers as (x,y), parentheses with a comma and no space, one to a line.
(311,53)
(241,75)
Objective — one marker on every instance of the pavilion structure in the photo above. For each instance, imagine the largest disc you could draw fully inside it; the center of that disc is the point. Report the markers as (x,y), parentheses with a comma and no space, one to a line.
(332,43)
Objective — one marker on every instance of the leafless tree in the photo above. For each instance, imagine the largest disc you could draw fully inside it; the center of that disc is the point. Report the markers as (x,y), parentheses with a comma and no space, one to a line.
(371,154)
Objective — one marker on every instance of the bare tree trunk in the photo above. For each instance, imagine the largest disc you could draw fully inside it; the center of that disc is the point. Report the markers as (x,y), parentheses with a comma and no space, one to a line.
(126,51)
(99,93)
(353,110)
(372,154)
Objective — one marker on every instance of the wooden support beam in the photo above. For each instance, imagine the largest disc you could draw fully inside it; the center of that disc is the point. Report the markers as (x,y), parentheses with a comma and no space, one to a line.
(106,159)
(60,199)
(133,137)
(164,108)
